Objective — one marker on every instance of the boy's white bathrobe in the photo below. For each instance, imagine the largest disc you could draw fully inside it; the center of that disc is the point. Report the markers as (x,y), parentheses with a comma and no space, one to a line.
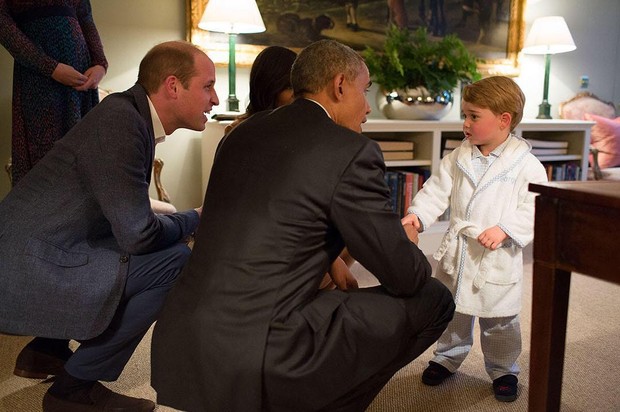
(485,283)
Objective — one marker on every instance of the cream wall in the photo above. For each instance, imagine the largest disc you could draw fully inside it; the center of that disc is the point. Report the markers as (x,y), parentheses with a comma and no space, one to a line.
(595,29)
(129,28)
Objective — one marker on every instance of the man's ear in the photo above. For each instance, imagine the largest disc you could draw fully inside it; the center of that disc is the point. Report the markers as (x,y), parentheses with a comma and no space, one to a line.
(338,84)
(171,85)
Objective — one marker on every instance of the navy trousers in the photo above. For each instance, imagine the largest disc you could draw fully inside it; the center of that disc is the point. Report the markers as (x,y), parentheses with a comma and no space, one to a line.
(150,278)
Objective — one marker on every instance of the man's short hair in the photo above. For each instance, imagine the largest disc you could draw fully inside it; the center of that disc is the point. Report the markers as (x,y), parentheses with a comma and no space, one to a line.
(317,64)
(499,94)
(174,58)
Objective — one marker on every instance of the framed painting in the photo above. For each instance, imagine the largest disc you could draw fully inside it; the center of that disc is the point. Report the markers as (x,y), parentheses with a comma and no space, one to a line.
(493,30)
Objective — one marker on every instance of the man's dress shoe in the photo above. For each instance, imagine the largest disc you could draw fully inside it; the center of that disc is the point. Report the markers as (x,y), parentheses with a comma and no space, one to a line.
(97,398)
(35,364)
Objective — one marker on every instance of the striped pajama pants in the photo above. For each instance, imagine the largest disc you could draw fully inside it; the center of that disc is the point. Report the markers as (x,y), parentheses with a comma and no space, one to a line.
(500,339)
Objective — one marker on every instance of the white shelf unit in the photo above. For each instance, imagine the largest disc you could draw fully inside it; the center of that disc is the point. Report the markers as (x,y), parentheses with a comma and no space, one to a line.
(427,136)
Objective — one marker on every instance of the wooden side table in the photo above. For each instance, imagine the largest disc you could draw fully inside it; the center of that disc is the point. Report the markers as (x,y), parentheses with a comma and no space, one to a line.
(576,230)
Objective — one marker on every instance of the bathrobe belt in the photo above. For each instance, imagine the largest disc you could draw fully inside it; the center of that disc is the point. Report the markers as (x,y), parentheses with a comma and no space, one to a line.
(453,239)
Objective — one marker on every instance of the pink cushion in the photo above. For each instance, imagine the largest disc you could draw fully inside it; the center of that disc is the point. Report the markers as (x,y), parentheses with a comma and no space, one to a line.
(605,136)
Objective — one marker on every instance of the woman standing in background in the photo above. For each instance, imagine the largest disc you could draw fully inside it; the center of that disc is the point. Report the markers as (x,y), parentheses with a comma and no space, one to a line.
(59,62)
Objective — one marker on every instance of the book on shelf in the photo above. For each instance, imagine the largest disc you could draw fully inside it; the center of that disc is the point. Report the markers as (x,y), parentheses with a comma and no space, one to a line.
(395,145)
(396,149)
(391,178)
(407,191)
(563,171)
(556,144)
(547,151)
(398,155)
(449,144)
(404,185)
(452,143)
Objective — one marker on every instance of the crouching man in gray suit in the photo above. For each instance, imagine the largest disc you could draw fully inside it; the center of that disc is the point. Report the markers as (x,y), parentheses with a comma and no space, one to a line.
(82,256)
(251,330)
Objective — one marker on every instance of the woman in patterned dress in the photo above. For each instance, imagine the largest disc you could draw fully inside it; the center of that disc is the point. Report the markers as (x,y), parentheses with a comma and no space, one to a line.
(59,62)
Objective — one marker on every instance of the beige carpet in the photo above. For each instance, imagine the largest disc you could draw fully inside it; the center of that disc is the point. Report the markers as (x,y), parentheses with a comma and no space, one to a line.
(590,376)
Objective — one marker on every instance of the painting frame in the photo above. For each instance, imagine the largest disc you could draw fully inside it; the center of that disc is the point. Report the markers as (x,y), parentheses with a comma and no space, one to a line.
(216,44)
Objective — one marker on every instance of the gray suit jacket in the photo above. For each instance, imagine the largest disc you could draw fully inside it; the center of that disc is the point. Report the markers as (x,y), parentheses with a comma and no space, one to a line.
(69,228)
(287,191)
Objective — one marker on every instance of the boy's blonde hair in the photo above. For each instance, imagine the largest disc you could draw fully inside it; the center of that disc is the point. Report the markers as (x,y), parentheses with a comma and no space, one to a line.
(499,94)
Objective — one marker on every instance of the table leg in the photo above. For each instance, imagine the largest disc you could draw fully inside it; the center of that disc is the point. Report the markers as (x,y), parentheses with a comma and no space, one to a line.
(550,290)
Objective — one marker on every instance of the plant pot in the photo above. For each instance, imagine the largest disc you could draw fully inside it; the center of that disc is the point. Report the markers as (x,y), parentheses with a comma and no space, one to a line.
(414,104)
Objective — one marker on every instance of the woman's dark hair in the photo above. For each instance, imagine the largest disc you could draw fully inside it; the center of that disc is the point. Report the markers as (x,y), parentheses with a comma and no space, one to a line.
(270,74)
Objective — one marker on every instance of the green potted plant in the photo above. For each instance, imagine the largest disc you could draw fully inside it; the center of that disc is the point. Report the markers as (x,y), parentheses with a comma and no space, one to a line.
(417,75)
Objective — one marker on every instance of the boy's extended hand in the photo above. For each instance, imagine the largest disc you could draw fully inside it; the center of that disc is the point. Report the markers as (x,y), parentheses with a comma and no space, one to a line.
(492,238)
(411,219)
(411,224)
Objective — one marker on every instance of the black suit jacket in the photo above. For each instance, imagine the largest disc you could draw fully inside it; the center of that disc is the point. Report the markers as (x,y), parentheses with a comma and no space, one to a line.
(287,191)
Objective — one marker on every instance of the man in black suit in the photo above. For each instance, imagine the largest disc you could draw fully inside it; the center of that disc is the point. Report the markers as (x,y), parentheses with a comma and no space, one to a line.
(246,327)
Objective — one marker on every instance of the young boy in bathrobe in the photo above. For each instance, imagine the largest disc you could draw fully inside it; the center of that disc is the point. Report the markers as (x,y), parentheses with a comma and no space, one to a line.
(484,182)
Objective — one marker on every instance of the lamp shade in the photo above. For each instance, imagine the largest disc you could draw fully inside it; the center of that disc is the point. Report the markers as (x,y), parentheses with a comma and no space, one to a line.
(549,35)
(232,16)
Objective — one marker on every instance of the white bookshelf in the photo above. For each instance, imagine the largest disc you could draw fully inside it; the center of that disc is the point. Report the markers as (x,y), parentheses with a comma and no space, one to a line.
(427,136)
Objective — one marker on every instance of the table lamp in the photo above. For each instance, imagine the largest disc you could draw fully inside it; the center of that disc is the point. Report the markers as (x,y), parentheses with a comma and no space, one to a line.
(548,35)
(232,17)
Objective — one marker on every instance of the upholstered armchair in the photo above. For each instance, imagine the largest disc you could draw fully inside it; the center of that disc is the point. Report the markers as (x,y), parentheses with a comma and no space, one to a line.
(162,204)
(605,134)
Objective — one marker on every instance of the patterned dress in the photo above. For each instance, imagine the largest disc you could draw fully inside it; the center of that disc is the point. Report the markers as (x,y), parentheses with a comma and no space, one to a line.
(39,34)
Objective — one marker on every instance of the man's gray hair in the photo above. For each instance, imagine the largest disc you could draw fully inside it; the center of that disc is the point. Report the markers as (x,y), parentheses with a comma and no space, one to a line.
(317,64)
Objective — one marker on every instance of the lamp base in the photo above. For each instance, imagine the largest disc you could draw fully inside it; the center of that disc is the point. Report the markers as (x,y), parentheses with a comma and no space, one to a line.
(232,104)
(544,111)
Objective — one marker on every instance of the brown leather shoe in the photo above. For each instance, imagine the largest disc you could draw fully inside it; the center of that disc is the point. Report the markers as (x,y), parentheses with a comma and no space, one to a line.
(96,399)
(34,364)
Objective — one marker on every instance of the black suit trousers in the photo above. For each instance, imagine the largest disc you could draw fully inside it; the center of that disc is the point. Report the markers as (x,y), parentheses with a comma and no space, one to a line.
(428,314)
